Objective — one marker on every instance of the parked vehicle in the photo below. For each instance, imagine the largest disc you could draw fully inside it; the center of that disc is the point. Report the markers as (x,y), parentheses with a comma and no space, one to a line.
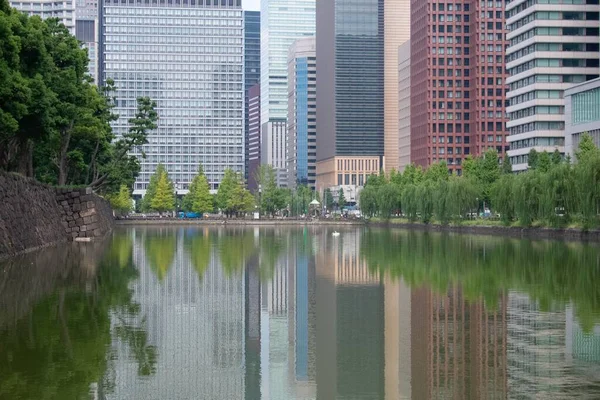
(192,215)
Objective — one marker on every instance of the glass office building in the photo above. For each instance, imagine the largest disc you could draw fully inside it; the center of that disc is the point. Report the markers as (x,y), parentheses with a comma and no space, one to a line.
(187,55)
(251,70)
(302,126)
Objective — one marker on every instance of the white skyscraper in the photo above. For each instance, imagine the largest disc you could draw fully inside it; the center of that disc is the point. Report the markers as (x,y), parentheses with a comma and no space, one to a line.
(282,22)
(188,57)
(551,47)
(63,10)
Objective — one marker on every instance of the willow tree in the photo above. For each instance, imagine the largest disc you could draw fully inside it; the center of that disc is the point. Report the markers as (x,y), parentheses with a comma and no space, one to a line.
(527,193)
(503,198)
(462,197)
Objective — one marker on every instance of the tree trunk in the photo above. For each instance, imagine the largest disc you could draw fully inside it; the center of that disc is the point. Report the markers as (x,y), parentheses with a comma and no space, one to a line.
(25,158)
(91,172)
(65,138)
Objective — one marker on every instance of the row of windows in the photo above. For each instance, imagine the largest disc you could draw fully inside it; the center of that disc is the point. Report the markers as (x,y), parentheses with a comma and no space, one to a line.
(167,30)
(450,50)
(450,116)
(536,94)
(185,86)
(450,7)
(170,67)
(545,78)
(452,128)
(537,126)
(537,110)
(566,31)
(450,29)
(450,39)
(209,149)
(450,95)
(139,20)
(201,137)
(450,83)
(168,122)
(162,95)
(450,105)
(449,139)
(198,45)
(177,40)
(530,3)
(553,15)
(450,18)
(202,54)
(172,11)
(457,72)
(555,63)
(538,141)
(586,47)
(586,107)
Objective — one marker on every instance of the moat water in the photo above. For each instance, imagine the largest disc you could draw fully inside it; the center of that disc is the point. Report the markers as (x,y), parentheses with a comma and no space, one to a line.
(297,313)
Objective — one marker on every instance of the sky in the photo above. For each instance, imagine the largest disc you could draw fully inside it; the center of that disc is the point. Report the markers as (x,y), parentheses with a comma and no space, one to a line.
(251,5)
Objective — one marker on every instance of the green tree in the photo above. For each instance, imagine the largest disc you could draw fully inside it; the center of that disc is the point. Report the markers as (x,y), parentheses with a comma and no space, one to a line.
(226,191)
(586,147)
(425,193)
(151,189)
(506,165)
(164,198)
(557,158)
(544,162)
(532,160)
(410,201)
(503,198)
(122,201)
(368,200)
(388,200)
(341,199)
(199,199)
(412,174)
(328,196)
(437,172)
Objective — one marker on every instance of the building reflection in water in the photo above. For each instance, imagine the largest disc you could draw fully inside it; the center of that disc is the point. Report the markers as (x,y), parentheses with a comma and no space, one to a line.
(313,321)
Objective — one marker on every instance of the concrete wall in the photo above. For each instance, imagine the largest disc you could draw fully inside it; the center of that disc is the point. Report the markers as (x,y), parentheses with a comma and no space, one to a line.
(34,215)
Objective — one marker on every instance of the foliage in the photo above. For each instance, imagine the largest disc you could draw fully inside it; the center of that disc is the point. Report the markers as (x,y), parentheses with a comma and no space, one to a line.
(161,246)
(232,198)
(341,199)
(533,159)
(54,123)
(199,199)
(368,200)
(506,165)
(151,189)
(388,200)
(164,198)
(503,198)
(328,198)
(122,201)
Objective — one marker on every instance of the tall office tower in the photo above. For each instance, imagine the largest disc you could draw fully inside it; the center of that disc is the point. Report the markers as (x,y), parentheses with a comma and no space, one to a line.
(253,135)
(350,91)
(404,106)
(396,22)
(251,71)
(188,57)
(63,10)
(357,87)
(86,30)
(458,89)
(551,47)
(302,135)
(282,22)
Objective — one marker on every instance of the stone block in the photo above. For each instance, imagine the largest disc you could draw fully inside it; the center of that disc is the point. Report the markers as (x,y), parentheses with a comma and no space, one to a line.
(64,203)
(83,228)
(74,234)
(60,197)
(98,232)
(88,190)
(76,200)
(72,224)
(90,205)
(76,207)
(87,220)
(75,229)
(79,221)
(94,218)
(75,194)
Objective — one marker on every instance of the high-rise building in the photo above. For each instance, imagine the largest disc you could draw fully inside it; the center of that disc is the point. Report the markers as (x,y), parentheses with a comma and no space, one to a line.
(357,88)
(458,89)
(302,127)
(253,135)
(188,57)
(86,30)
(63,10)
(551,47)
(282,22)
(273,149)
(403,106)
(396,21)
(251,71)
(582,114)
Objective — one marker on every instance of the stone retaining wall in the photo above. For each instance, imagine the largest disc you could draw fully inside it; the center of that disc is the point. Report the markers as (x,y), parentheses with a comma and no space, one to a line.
(34,215)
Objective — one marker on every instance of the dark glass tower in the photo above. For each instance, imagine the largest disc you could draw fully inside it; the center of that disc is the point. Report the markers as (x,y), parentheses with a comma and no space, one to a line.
(350,90)
(251,69)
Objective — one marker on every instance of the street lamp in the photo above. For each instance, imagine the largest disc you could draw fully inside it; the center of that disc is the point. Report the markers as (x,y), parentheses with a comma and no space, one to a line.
(259,194)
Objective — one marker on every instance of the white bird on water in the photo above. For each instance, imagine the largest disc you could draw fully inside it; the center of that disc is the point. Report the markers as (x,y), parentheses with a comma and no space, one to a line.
(336,233)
